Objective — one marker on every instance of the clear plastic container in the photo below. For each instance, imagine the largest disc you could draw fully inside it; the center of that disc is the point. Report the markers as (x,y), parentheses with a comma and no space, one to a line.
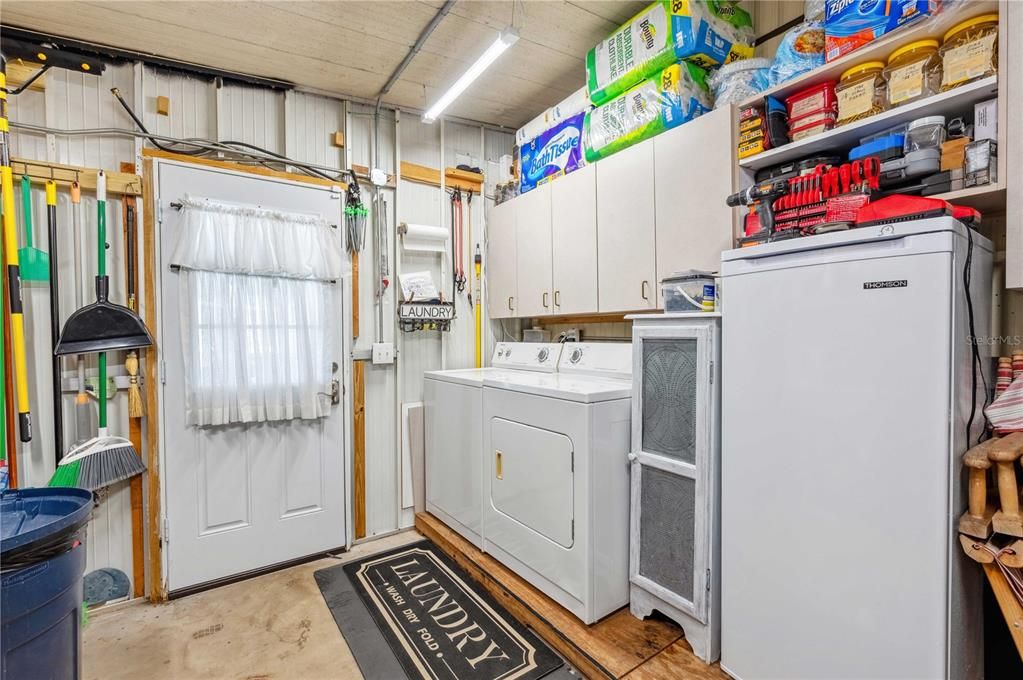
(913,72)
(862,92)
(970,51)
(688,291)
(925,133)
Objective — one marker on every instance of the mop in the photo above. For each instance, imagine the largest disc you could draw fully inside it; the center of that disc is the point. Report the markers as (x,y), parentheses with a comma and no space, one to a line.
(105,459)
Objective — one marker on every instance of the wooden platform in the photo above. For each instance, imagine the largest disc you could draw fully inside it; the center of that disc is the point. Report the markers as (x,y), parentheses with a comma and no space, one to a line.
(619,646)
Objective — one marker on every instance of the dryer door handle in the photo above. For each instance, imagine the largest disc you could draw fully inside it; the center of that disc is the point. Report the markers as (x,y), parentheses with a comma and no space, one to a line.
(498,465)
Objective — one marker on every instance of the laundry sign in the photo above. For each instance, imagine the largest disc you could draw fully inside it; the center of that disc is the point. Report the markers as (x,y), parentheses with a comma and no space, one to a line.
(441,625)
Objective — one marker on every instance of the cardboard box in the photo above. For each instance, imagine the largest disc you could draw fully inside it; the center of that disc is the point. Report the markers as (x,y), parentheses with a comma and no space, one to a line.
(985,120)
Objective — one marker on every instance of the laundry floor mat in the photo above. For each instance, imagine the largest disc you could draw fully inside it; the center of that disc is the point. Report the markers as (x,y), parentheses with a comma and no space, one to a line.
(413,613)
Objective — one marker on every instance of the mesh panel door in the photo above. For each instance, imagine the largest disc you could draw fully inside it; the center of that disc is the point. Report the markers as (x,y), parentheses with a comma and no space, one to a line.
(667,536)
(669,398)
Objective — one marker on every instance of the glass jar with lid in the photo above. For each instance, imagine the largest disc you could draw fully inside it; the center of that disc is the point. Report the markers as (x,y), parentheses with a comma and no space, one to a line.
(913,72)
(970,51)
(861,92)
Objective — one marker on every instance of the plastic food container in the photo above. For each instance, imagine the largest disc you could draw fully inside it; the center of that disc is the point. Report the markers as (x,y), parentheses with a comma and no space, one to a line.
(812,100)
(811,125)
(862,92)
(688,291)
(925,133)
(970,51)
(913,72)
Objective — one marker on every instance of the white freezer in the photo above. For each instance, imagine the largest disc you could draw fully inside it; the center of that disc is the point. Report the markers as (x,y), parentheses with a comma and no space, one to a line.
(845,394)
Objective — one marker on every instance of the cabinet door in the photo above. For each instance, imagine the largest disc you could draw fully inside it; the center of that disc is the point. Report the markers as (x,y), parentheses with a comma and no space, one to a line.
(533,227)
(693,165)
(574,224)
(501,276)
(625,230)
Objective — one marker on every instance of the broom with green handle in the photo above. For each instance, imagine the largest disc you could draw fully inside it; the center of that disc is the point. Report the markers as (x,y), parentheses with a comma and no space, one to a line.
(104,459)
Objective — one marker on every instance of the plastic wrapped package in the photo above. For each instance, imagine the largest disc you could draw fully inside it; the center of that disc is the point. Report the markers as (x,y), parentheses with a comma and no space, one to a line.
(801,50)
(553,153)
(850,25)
(736,82)
(813,10)
(704,32)
(674,96)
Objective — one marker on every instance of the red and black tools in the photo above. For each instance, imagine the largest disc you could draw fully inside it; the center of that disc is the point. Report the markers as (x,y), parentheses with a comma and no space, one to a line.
(763,196)
(901,208)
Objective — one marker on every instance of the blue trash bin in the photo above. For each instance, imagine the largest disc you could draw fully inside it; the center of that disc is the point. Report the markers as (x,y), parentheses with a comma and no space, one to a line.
(42,559)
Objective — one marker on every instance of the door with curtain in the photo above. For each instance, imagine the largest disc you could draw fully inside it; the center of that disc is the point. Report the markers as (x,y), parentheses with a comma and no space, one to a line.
(254,442)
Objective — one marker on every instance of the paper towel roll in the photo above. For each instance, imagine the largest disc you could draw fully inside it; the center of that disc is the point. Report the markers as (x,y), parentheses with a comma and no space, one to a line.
(425,238)
(577,102)
(533,128)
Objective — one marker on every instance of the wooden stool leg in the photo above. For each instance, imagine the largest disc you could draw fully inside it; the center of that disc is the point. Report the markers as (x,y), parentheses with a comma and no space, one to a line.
(1004,453)
(976,521)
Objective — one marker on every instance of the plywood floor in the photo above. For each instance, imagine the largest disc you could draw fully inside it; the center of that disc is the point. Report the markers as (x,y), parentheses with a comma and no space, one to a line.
(275,627)
(619,646)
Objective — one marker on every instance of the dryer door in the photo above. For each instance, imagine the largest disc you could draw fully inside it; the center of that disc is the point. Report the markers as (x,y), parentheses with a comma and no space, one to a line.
(532,479)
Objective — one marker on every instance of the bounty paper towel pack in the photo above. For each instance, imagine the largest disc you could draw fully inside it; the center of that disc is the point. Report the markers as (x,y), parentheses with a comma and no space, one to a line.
(850,24)
(553,153)
(705,32)
(672,97)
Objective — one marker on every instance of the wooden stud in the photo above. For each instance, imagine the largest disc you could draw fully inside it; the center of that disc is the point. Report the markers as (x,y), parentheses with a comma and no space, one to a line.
(237,167)
(355,293)
(362,172)
(359,447)
(427,175)
(976,521)
(138,558)
(1004,453)
(157,593)
(163,105)
(121,183)
(339,140)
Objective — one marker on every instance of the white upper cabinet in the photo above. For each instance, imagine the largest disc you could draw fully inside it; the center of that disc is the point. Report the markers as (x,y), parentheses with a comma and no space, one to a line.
(574,221)
(533,220)
(626,258)
(501,275)
(692,177)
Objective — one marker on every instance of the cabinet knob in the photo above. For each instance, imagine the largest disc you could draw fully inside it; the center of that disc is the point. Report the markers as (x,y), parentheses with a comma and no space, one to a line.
(545,299)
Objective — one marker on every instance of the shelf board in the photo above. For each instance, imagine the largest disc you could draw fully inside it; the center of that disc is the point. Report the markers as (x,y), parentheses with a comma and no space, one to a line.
(879,50)
(988,198)
(954,102)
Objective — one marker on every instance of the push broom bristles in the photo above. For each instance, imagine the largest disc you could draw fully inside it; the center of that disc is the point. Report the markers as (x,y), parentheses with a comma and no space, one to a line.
(98,463)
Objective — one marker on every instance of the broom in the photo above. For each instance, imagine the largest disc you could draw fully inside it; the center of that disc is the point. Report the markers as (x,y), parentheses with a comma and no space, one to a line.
(103,460)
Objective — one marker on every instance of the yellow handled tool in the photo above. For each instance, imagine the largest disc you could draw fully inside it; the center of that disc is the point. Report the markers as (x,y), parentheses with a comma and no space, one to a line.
(13,273)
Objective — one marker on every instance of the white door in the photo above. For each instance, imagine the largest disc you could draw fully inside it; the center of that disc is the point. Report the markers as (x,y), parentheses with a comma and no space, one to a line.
(625,230)
(501,277)
(574,239)
(693,172)
(244,497)
(533,231)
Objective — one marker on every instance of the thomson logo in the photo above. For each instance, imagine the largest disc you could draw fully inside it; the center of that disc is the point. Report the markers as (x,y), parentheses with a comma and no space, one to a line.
(555,152)
(878,285)
(646,30)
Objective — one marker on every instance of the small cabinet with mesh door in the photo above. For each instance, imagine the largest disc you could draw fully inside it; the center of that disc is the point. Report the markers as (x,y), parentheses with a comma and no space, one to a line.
(674,549)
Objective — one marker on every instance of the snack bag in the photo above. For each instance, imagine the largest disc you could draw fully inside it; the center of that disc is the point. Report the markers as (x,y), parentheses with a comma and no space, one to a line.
(801,50)
(674,96)
(705,32)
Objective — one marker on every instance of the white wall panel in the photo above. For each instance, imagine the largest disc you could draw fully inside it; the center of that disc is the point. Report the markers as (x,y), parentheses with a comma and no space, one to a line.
(252,115)
(310,124)
(27,107)
(193,104)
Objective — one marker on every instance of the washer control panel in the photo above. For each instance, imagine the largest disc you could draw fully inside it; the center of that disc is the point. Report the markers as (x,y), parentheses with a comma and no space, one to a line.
(611,359)
(527,356)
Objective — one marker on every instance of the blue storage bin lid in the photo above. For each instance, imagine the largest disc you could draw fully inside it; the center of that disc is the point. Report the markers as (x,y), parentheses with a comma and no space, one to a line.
(31,515)
(876,146)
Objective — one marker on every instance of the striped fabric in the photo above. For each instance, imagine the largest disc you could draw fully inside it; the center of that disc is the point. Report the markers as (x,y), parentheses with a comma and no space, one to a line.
(1006,411)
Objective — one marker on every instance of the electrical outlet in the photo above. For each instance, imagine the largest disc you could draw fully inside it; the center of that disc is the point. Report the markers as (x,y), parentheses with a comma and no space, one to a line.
(383,352)
(573,335)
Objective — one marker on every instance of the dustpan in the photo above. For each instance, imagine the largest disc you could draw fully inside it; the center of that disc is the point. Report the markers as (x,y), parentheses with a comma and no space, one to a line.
(34,263)
(102,326)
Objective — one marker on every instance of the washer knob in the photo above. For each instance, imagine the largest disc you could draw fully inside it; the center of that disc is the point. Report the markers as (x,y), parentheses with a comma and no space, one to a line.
(542,355)
(577,354)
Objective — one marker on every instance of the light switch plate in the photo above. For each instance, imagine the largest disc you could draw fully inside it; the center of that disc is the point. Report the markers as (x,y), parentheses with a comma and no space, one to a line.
(383,353)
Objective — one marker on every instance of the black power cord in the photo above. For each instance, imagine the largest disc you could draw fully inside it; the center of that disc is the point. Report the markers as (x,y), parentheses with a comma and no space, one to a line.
(977,363)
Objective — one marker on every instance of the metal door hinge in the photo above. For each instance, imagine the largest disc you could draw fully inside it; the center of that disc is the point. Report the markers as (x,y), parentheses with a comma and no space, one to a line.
(166,530)
(712,373)
(163,372)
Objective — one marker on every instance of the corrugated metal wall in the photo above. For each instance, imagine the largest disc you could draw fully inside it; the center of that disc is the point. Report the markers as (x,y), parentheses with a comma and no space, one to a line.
(300,125)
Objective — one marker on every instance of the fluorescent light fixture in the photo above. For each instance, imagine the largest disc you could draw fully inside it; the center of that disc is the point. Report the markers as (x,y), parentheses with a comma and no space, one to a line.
(504,41)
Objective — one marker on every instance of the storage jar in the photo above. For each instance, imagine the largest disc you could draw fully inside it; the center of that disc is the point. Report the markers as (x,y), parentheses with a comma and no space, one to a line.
(861,92)
(970,51)
(925,133)
(913,72)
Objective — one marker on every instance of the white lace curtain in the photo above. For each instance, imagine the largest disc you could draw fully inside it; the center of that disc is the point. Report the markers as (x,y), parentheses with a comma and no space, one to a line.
(256,286)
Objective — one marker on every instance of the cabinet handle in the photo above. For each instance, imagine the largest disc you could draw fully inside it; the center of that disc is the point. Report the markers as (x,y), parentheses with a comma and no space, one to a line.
(643,290)
(498,466)
(557,298)
(510,307)
(545,299)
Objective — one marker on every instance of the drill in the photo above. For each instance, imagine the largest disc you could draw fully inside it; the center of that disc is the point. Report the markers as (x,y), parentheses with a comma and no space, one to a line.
(763,196)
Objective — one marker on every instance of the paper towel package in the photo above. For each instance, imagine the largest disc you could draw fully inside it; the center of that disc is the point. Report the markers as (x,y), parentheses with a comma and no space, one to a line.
(553,153)
(674,96)
(705,32)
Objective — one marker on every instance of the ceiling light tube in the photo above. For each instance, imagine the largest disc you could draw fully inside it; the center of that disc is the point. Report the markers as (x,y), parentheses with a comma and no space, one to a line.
(504,41)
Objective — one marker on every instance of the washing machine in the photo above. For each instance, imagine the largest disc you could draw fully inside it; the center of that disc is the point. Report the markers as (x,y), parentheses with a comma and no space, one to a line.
(556,509)
(453,424)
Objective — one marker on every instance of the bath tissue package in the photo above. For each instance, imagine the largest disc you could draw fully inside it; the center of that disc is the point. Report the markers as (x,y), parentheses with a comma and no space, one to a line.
(674,96)
(575,103)
(705,32)
(553,153)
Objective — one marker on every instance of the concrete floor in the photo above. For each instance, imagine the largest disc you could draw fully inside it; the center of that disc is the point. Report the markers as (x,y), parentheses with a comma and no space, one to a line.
(275,627)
